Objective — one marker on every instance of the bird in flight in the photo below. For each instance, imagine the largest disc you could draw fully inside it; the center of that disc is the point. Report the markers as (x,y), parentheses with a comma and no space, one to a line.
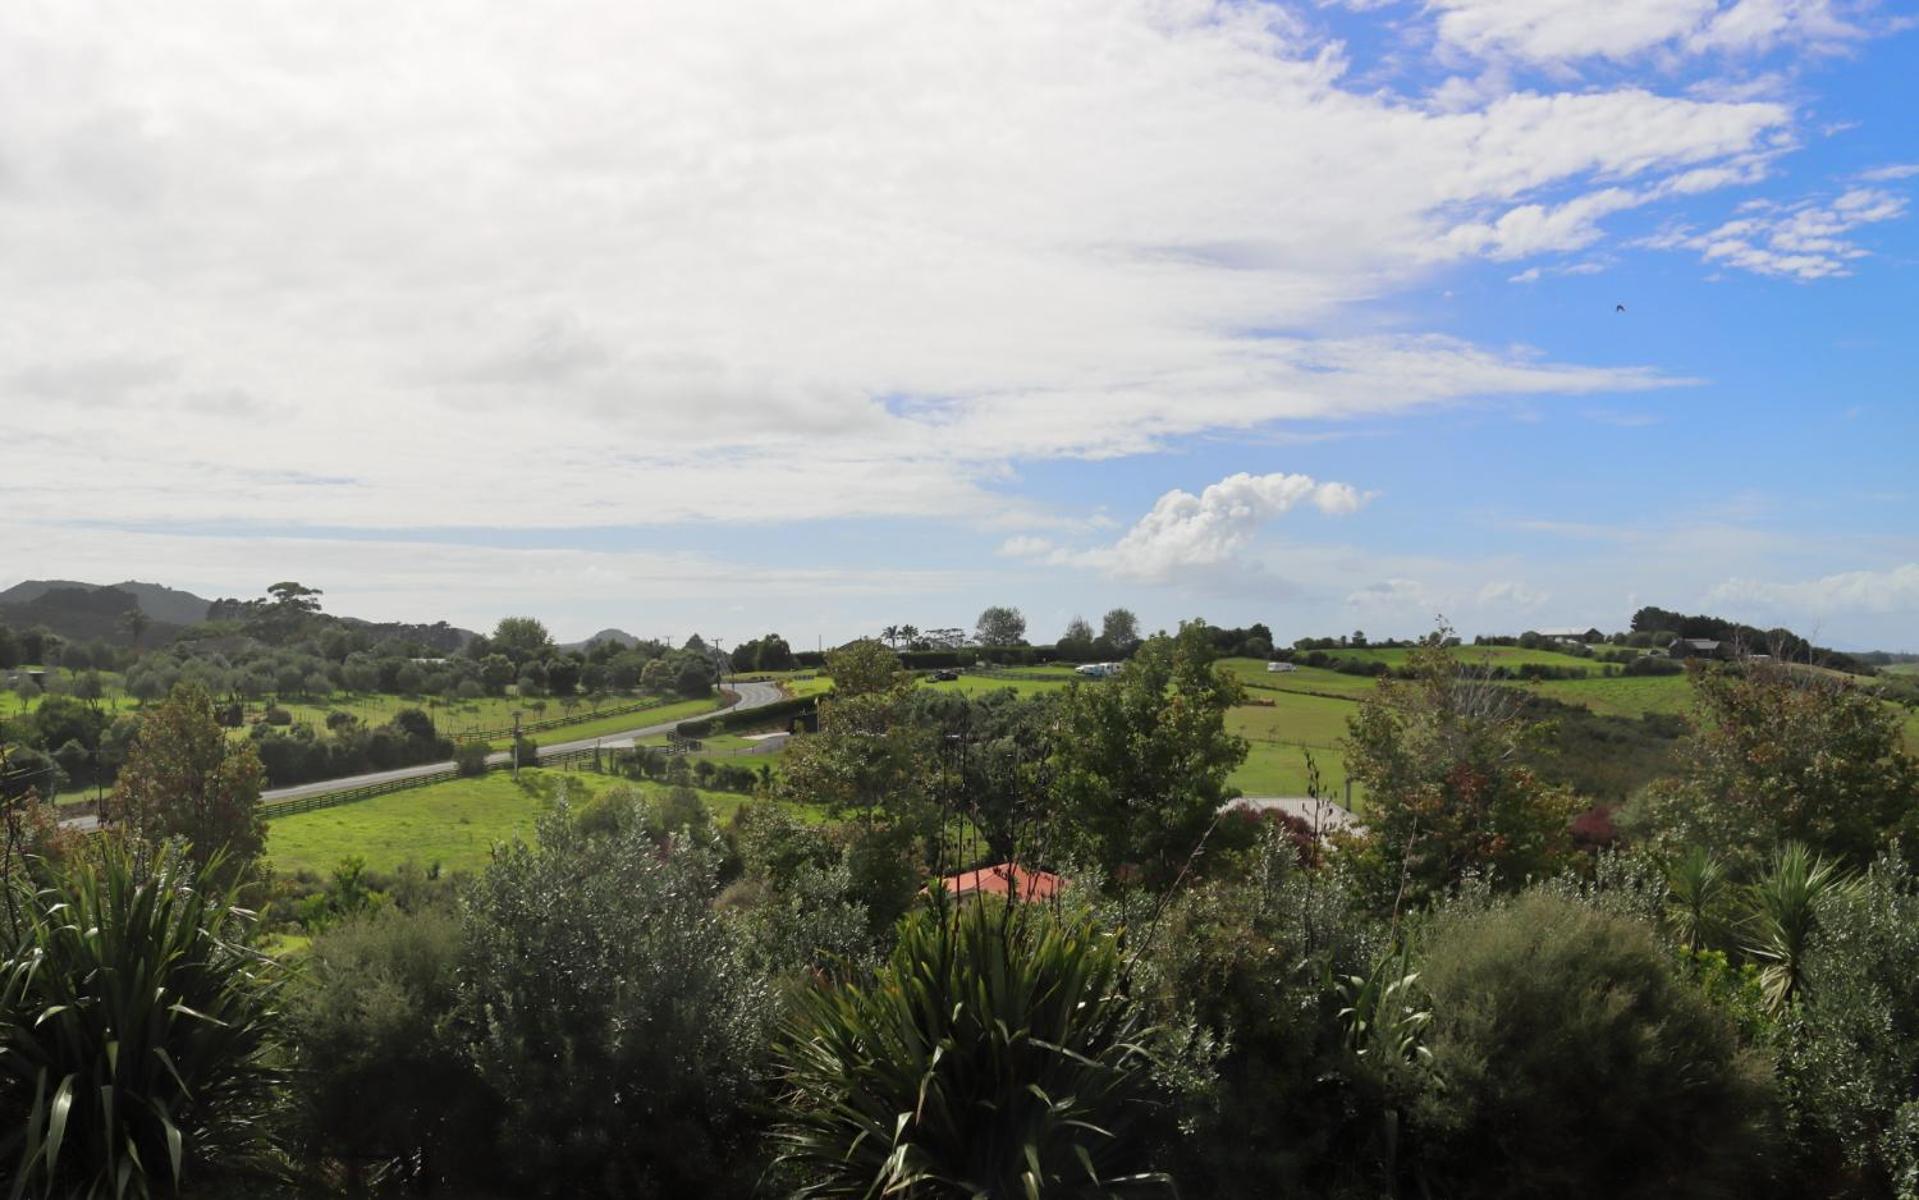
(1618,308)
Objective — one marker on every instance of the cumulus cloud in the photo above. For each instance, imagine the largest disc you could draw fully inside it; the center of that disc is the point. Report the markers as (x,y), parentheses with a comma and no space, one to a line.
(1185,533)
(633,263)
(1894,590)
(1806,240)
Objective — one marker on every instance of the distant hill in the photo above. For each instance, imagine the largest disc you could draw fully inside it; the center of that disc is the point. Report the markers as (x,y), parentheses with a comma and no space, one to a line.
(83,612)
(164,604)
(605,635)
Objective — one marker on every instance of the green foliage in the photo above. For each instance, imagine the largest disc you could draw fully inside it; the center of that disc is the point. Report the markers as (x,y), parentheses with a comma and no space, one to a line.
(1446,796)
(137,1034)
(1140,761)
(616,1018)
(184,779)
(1700,897)
(1573,1062)
(1780,755)
(994,1054)
(385,1090)
(469,758)
(1849,1048)
(1247,962)
(1786,904)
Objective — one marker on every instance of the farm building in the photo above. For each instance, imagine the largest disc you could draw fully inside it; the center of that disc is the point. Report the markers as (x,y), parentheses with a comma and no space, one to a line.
(1004,879)
(1697,648)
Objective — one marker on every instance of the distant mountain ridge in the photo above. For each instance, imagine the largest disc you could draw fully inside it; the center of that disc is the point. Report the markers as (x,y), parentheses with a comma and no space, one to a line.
(164,604)
(620,636)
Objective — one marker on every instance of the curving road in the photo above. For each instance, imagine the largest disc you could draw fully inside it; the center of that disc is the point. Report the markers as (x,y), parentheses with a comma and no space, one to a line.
(751,695)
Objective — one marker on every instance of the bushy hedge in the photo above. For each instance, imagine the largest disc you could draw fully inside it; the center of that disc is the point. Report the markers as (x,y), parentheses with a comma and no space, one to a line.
(300,755)
(777,712)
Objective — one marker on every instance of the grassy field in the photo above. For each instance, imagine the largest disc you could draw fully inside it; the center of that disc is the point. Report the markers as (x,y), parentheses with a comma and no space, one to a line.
(1622,695)
(453,824)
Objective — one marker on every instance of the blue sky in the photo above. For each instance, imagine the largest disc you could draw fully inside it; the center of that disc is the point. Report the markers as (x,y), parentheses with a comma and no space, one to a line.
(672,318)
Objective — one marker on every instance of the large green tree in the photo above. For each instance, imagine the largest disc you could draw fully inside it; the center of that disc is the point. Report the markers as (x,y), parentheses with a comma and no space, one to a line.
(522,639)
(1780,754)
(1141,760)
(183,778)
(999,625)
(1446,792)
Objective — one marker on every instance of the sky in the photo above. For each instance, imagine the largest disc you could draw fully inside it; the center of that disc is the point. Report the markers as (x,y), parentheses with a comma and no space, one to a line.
(739,318)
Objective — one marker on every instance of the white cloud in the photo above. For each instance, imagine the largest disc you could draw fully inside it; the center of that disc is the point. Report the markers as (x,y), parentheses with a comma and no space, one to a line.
(1512,595)
(1565,31)
(1894,590)
(1889,174)
(1026,546)
(1185,533)
(465,264)
(1806,240)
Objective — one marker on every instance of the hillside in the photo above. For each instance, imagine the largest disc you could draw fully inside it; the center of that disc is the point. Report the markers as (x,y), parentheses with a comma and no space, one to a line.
(164,604)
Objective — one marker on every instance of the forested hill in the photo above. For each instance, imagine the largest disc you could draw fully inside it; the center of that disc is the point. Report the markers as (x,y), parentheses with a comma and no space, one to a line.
(163,604)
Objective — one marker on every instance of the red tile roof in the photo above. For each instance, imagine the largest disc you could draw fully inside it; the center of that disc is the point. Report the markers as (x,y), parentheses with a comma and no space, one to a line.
(1003,879)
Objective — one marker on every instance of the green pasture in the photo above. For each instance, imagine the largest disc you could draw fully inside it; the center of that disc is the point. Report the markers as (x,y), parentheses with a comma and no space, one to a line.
(455,824)
(1253,673)
(1499,656)
(1620,695)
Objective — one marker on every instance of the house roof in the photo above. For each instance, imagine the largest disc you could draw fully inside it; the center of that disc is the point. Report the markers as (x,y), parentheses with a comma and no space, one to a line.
(1002,879)
(1697,643)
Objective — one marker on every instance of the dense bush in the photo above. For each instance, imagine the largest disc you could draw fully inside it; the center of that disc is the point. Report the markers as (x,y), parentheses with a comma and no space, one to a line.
(1575,1063)
(386,1091)
(614,1016)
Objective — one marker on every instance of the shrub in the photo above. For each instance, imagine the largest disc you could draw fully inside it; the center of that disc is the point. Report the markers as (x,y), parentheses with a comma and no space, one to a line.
(385,1089)
(615,1017)
(137,1034)
(278,716)
(994,1054)
(470,758)
(1574,1062)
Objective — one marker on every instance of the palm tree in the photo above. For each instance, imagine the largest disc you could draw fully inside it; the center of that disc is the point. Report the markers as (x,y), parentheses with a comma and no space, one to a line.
(890,635)
(1786,903)
(909,634)
(1698,891)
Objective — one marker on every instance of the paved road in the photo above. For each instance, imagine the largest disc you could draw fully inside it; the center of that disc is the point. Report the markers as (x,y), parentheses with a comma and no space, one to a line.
(751,695)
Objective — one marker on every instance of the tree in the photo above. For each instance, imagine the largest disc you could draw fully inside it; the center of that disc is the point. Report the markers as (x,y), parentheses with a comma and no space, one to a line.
(1544,1008)
(1141,760)
(136,623)
(1000,626)
(1077,642)
(1446,795)
(522,640)
(295,598)
(184,779)
(1120,630)
(995,1054)
(1778,754)
(869,759)
(865,667)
